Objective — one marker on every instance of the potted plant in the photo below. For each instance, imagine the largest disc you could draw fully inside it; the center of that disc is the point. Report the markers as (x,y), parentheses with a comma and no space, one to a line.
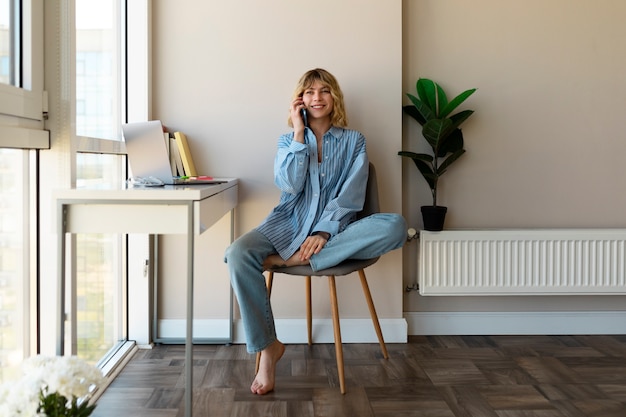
(440,128)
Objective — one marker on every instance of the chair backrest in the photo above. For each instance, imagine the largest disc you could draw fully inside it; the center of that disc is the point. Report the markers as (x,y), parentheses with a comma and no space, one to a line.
(372,205)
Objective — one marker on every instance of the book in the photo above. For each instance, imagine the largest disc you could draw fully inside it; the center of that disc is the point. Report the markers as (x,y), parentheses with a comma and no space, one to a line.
(185,154)
(166,137)
(175,160)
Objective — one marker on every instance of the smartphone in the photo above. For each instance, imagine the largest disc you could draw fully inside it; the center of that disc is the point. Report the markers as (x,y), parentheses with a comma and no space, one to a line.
(305,118)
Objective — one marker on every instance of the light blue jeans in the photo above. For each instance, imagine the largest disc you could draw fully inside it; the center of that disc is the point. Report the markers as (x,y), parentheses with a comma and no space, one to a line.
(367,238)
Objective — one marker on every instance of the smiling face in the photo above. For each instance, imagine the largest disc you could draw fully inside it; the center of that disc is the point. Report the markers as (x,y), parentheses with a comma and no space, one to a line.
(318,100)
(315,80)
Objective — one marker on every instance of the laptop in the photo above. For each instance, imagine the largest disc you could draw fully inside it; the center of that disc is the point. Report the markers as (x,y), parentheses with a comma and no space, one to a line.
(149,159)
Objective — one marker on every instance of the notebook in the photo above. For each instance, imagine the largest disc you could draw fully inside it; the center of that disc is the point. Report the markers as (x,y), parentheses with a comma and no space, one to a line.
(149,159)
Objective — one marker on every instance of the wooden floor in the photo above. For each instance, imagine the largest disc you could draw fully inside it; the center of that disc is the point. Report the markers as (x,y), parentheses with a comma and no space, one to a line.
(439,376)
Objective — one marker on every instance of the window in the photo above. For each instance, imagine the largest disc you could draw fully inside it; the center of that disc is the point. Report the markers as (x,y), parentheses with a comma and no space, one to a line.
(9,48)
(21,129)
(99,68)
(100,274)
(87,59)
(14,260)
(21,60)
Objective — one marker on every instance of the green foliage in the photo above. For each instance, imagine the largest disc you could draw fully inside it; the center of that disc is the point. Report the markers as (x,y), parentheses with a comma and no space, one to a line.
(56,405)
(432,110)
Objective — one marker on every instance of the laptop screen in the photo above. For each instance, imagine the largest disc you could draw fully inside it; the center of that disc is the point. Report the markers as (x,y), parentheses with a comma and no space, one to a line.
(147,150)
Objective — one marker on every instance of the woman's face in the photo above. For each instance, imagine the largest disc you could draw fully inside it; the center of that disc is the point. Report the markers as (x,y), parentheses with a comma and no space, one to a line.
(318,100)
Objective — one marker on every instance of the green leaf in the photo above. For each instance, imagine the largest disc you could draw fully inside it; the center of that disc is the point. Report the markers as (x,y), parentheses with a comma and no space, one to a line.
(53,405)
(423,162)
(422,108)
(436,129)
(455,102)
(450,144)
(420,156)
(426,91)
(460,117)
(426,172)
(442,100)
(449,160)
(414,113)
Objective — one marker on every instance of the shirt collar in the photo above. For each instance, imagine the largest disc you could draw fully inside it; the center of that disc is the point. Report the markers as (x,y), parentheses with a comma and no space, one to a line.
(337,132)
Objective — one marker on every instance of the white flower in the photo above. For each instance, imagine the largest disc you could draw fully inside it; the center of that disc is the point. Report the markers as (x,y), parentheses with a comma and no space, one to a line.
(68,376)
(20,398)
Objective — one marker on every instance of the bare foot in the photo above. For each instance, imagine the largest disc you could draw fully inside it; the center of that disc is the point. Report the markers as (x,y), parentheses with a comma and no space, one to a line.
(264,380)
(275,261)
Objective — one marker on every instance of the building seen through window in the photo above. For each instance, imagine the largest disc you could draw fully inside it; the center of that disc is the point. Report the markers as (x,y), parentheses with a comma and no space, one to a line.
(99,257)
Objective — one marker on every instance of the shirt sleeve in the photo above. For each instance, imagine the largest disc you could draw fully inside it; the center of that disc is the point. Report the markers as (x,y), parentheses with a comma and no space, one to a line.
(291,165)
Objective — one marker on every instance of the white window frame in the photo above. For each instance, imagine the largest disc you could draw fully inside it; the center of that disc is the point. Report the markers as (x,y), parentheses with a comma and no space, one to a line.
(22,115)
(136,108)
(59,161)
(24,107)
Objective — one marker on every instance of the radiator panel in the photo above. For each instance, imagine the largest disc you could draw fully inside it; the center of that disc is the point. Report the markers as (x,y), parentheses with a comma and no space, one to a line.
(523,262)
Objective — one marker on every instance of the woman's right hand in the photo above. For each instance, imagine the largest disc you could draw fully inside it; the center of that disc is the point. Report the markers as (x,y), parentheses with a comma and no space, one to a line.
(296,119)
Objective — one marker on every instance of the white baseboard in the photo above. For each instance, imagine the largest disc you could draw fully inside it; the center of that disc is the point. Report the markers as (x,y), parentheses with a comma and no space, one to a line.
(420,323)
(202,328)
(294,330)
(509,323)
(352,330)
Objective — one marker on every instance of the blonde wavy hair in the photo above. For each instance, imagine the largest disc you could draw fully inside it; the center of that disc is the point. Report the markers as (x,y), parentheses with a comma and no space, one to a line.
(338,116)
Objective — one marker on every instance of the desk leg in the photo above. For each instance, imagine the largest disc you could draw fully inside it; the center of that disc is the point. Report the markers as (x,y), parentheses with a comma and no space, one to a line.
(60,333)
(189,333)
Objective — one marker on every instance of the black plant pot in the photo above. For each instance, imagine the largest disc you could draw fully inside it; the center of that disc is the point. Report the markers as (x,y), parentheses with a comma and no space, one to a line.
(434,217)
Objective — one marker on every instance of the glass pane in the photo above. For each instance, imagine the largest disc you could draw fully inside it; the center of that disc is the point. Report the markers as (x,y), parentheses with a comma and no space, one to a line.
(99,268)
(98,63)
(13,261)
(8,50)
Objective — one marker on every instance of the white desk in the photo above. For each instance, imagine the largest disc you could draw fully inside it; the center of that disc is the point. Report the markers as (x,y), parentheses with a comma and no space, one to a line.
(188,210)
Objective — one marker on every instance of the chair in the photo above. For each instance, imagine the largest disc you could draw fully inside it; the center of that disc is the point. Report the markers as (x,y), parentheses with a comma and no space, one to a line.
(347,267)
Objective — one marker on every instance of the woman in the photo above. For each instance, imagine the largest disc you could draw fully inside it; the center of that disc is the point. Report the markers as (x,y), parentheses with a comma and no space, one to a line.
(321,170)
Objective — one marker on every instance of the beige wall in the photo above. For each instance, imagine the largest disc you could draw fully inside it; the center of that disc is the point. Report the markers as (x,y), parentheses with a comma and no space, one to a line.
(224,73)
(544,147)
(546,144)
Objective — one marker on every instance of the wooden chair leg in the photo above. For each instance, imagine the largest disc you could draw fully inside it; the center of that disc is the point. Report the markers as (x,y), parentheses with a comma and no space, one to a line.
(309,315)
(337,329)
(258,363)
(370,304)
(268,283)
(269,280)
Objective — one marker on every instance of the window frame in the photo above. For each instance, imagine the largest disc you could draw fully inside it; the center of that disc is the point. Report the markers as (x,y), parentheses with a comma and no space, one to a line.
(136,84)
(136,106)
(22,117)
(23,123)
(27,101)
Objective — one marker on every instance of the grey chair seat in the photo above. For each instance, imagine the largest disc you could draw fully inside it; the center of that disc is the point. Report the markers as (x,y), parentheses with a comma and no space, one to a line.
(345,268)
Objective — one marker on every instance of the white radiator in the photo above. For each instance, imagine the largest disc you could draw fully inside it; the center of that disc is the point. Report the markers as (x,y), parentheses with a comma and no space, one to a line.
(523,262)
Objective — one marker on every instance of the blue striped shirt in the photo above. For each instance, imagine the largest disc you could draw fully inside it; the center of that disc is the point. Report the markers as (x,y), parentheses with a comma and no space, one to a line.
(316,197)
